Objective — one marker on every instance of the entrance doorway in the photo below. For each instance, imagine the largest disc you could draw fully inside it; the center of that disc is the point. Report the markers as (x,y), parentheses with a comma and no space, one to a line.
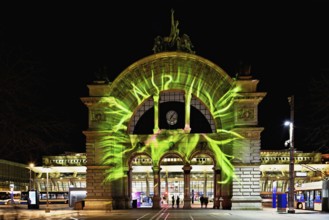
(142,184)
(172,181)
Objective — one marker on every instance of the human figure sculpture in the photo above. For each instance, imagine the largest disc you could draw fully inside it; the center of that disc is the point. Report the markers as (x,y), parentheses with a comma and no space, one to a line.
(174,33)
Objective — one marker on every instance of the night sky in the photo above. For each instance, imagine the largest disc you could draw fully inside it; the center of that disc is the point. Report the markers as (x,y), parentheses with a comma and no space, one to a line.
(287,45)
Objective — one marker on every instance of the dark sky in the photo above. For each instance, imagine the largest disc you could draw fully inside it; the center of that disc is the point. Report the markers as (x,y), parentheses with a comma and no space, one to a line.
(285,43)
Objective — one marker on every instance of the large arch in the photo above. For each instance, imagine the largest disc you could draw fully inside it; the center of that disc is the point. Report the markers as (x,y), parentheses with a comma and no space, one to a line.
(186,72)
(115,109)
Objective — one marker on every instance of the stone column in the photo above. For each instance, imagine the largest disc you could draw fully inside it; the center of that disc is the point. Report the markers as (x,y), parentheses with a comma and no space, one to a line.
(127,183)
(98,193)
(226,191)
(147,184)
(157,182)
(217,191)
(166,188)
(187,179)
(156,113)
(205,184)
(187,127)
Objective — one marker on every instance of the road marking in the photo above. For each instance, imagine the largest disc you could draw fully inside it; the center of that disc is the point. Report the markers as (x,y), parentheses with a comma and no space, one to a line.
(222,213)
(143,216)
(167,216)
(160,213)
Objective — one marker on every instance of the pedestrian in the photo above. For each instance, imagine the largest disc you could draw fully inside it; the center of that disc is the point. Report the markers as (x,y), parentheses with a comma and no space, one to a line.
(177,201)
(173,201)
(201,201)
(205,202)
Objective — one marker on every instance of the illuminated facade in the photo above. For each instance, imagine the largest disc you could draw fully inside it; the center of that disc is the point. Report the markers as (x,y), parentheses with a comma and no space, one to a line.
(173,123)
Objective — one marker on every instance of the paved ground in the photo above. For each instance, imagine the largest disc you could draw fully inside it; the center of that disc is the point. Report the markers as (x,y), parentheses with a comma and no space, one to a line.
(65,212)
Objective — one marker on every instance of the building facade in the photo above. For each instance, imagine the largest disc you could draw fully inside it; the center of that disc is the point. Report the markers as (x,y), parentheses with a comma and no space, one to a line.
(13,176)
(67,172)
(182,121)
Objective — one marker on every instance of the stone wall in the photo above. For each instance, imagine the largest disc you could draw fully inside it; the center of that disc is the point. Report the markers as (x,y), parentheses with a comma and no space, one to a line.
(246,188)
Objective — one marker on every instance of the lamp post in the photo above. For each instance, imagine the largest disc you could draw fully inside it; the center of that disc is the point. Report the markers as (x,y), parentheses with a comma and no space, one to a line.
(292,160)
(47,195)
(31,165)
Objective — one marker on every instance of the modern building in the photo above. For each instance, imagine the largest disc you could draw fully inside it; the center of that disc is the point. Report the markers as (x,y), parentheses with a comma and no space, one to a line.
(308,167)
(13,176)
(64,172)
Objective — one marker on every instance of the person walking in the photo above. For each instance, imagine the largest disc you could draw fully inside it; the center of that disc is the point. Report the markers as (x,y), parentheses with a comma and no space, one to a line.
(205,202)
(173,201)
(177,202)
(201,201)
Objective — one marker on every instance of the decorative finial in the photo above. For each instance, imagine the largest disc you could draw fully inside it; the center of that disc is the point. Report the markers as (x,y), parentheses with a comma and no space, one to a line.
(244,70)
(102,74)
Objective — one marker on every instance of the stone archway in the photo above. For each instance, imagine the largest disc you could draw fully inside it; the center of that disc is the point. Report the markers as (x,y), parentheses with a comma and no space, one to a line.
(141,185)
(202,179)
(232,105)
(172,180)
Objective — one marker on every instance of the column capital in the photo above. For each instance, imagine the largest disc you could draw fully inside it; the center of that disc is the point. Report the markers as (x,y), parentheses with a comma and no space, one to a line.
(187,168)
(156,169)
(217,170)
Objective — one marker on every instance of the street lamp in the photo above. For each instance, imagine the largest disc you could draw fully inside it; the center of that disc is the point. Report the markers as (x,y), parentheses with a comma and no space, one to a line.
(291,161)
(47,182)
(31,165)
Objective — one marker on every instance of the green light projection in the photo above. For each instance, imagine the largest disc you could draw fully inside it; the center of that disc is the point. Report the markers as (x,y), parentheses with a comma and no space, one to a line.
(118,143)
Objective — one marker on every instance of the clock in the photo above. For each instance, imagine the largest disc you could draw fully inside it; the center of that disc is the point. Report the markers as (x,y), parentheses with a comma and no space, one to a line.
(171,117)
